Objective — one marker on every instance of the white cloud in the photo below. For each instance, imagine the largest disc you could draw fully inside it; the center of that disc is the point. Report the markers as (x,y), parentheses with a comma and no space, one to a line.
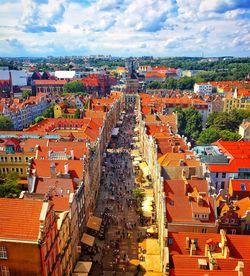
(125,27)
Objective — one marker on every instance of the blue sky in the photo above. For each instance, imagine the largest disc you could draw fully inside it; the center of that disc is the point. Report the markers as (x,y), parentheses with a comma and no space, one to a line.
(125,27)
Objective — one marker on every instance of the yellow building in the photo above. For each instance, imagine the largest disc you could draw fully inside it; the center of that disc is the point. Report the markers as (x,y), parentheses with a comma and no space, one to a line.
(61,111)
(239,100)
(13,157)
(57,111)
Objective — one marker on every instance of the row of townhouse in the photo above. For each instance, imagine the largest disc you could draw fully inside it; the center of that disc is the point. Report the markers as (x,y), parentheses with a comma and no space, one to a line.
(63,173)
(234,94)
(187,213)
(23,112)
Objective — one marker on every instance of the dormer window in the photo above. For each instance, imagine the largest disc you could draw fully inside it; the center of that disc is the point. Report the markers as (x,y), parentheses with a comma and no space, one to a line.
(243,187)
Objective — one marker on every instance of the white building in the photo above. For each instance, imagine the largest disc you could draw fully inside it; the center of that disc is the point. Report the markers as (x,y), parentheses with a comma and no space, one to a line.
(65,75)
(24,113)
(203,88)
(18,77)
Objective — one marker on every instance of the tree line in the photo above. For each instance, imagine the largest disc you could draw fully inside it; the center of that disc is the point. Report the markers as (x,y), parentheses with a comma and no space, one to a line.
(221,125)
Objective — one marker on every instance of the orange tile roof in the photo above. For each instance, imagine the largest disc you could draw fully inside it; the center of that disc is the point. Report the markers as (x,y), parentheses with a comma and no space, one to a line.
(51,82)
(61,186)
(243,92)
(177,201)
(61,204)
(232,167)
(238,244)
(43,167)
(173,159)
(19,219)
(154,74)
(237,149)
(236,184)
(242,206)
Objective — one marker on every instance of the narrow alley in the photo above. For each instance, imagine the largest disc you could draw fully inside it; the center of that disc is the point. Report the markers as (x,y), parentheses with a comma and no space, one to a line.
(119,249)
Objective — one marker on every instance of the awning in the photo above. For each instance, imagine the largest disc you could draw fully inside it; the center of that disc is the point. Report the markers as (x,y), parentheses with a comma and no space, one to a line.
(152,230)
(115,131)
(83,267)
(88,239)
(94,223)
(136,163)
(147,208)
(144,168)
(135,153)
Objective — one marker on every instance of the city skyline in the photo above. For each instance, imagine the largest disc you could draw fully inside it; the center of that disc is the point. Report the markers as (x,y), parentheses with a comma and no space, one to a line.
(124,28)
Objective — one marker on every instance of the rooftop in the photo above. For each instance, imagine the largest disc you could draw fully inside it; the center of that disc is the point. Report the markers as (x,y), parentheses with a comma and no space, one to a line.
(19,219)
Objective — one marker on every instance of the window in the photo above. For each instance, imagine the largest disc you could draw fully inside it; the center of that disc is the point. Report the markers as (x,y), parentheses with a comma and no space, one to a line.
(243,187)
(233,231)
(170,241)
(223,175)
(217,175)
(3,252)
(4,270)
(204,230)
(222,185)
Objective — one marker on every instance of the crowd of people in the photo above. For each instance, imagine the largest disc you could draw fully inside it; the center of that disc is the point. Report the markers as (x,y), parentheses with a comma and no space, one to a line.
(116,202)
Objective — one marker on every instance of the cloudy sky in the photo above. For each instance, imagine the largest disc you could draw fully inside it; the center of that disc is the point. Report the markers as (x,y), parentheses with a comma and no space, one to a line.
(125,27)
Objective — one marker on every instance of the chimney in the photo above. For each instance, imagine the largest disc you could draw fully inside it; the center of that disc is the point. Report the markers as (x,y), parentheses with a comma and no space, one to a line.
(187,243)
(192,248)
(66,168)
(53,169)
(72,154)
(49,153)
(212,264)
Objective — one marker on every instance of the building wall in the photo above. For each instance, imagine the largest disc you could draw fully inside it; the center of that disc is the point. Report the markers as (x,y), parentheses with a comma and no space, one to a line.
(236,103)
(64,244)
(245,133)
(57,111)
(17,162)
(49,249)
(23,259)
(192,227)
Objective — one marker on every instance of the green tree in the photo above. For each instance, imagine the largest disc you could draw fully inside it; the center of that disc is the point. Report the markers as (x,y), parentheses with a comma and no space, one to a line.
(154,85)
(222,122)
(49,113)
(5,123)
(211,117)
(193,123)
(208,136)
(39,119)
(77,114)
(185,83)
(181,125)
(9,185)
(74,87)
(170,83)
(229,136)
(26,94)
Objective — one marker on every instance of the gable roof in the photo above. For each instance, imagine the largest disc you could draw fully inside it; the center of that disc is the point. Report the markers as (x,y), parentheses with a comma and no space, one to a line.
(19,219)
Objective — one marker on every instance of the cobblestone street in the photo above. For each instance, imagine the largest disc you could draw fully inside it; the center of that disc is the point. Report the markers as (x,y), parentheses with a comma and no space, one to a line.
(124,230)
